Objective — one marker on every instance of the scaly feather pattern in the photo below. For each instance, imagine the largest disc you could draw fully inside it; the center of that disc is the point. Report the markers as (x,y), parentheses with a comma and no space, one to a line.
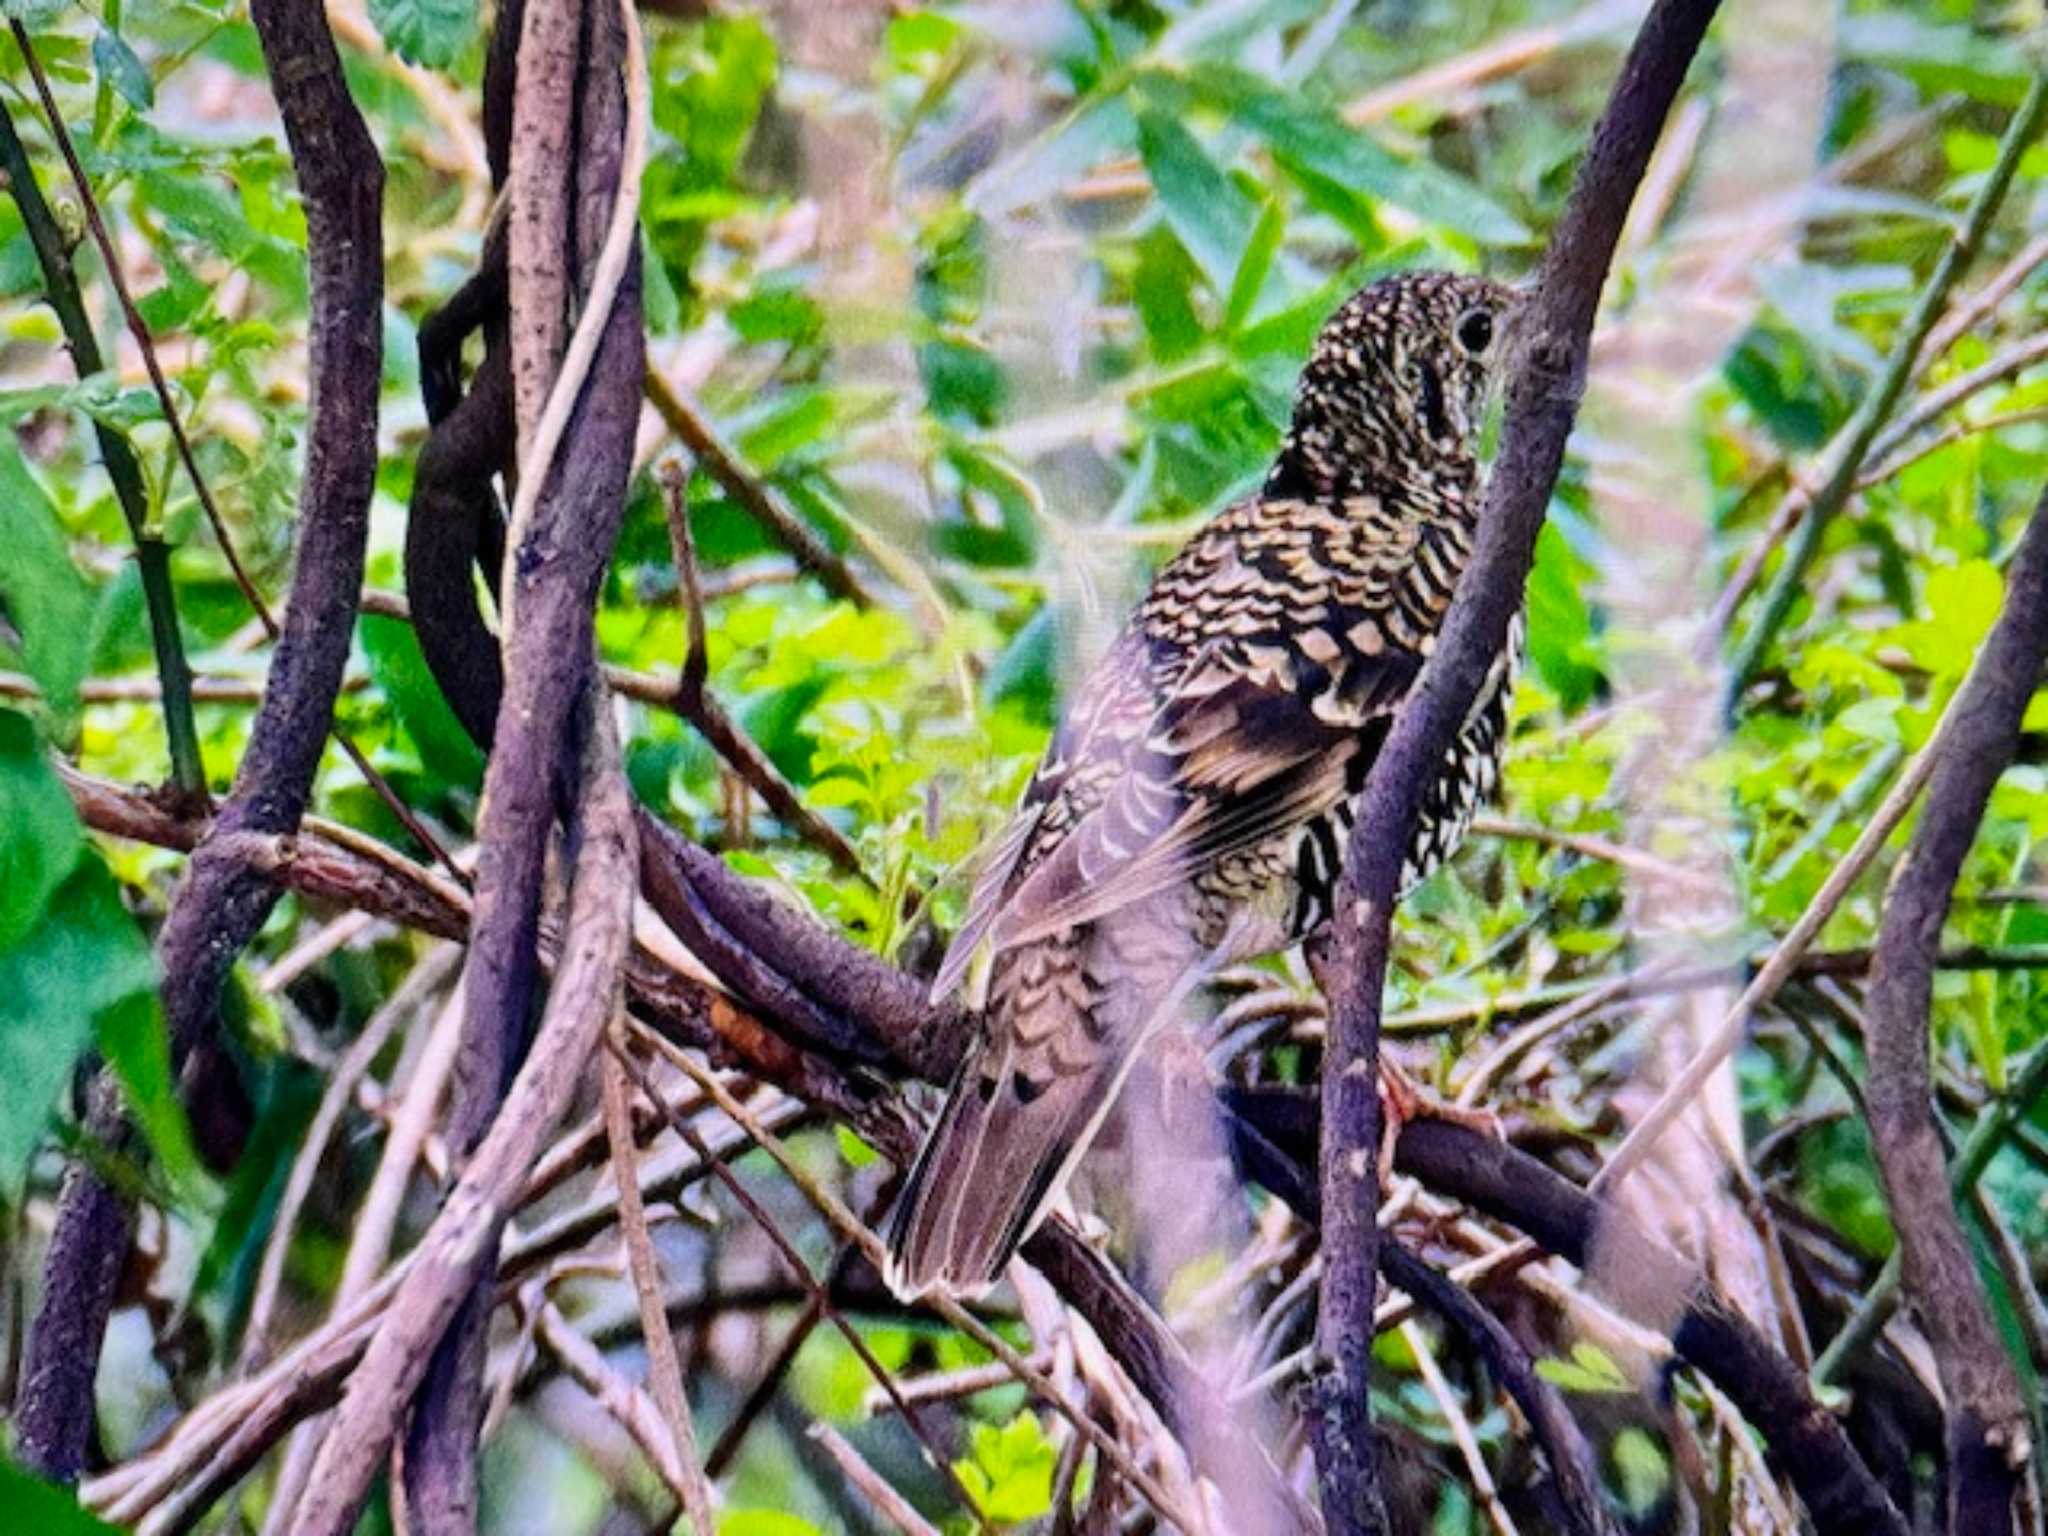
(1195,803)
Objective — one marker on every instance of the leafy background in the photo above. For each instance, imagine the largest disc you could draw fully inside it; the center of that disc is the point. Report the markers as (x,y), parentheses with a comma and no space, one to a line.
(1004,300)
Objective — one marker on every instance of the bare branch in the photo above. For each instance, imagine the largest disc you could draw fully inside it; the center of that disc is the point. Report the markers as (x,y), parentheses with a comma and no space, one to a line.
(664,1369)
(462,1243)
(1989,1428)
(1542,393)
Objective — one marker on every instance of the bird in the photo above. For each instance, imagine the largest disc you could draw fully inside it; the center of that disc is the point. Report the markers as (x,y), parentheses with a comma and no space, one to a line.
(1193,807)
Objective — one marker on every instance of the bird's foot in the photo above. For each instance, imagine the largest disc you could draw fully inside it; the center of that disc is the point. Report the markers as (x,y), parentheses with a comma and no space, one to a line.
(1403,1099)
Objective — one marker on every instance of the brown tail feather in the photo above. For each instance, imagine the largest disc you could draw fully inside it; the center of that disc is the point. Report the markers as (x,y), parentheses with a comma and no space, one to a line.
(990,1169)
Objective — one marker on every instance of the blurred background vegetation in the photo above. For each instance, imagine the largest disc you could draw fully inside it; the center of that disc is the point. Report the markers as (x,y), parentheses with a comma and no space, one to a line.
(1002,300)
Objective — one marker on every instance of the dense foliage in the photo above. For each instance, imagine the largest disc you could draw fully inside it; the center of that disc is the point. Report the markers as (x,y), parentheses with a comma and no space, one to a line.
(1002,301)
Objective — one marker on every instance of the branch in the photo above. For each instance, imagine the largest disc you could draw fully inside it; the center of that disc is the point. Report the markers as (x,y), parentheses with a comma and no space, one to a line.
(696,704)
(461,1245)
(1989,1429)
(1543,391)
(1572,1468)
(719,460)
(1851,446)
(1275,1131)
(152,555)
(222,900)
(664,1369)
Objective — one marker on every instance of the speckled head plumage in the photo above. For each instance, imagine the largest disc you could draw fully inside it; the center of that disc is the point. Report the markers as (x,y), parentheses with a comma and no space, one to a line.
(1395,391)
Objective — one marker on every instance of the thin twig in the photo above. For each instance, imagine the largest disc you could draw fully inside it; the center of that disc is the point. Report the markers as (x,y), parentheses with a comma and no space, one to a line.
(696,704)
(791,1257)
(886,1501)
(152,555)
(1592,847)
(664,1369)
(1850,449)
(629,1406)
(850,1227)
(723,464)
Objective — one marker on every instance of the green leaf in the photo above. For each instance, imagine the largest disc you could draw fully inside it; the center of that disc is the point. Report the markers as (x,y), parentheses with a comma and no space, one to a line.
(763,1522)
(1010,1475)
(1160,288)
(1590,1369)
(133,1038)
(85,958)
(1961,603)
(30,1504)
(46,600)
(400,670)
(40,838)
(1560,631)
(1252,268)
(1206,209)
(122,71)
(1299,132)
(429,33)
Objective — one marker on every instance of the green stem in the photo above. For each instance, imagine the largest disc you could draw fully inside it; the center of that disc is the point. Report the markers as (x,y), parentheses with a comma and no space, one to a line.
(152,555)
(1852,446)
(1986,1136)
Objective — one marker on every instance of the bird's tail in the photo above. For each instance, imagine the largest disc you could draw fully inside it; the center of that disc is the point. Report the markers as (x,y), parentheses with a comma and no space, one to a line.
(990,1170)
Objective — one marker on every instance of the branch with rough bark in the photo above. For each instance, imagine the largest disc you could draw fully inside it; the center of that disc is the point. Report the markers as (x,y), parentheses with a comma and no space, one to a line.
(223,898)
(1989,1429)
(1543,387)
(1276,1131)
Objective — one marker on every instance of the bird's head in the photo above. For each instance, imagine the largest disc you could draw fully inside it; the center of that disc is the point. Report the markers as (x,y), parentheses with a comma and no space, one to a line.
(1395,394)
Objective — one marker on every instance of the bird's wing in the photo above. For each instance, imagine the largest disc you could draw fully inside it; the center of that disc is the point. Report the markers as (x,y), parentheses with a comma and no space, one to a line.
(1220,774)
(1240,702)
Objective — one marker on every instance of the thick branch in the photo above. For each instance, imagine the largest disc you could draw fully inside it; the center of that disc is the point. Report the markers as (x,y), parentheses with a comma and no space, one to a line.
(461,1246)
(1276,1130)
(576,401)
(222,900)
(1988,1425)
(1542,393)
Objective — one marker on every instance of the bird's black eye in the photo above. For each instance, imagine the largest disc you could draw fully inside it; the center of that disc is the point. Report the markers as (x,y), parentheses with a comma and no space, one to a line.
(1475,330)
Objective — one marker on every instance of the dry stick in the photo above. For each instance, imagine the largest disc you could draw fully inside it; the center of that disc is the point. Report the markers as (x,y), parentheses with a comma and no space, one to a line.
(635,1411)
(2002,285)
(723,464)
(1851,446)
(370,1235)
(331,216)
(1543,390)
(869,1483)
(1439,1389)
(152,555)
(1937,403)
(1988,1426)
(1573,1470)
(695,703)
(664,1368)
(462,1243)
(424,978)
(223,900)
(1592,847)
(1906,458)
(853,1230)
(790,1256)
(572,227)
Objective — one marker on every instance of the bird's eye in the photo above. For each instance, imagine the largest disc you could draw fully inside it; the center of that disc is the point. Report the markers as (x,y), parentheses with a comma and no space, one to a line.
(1475,330)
